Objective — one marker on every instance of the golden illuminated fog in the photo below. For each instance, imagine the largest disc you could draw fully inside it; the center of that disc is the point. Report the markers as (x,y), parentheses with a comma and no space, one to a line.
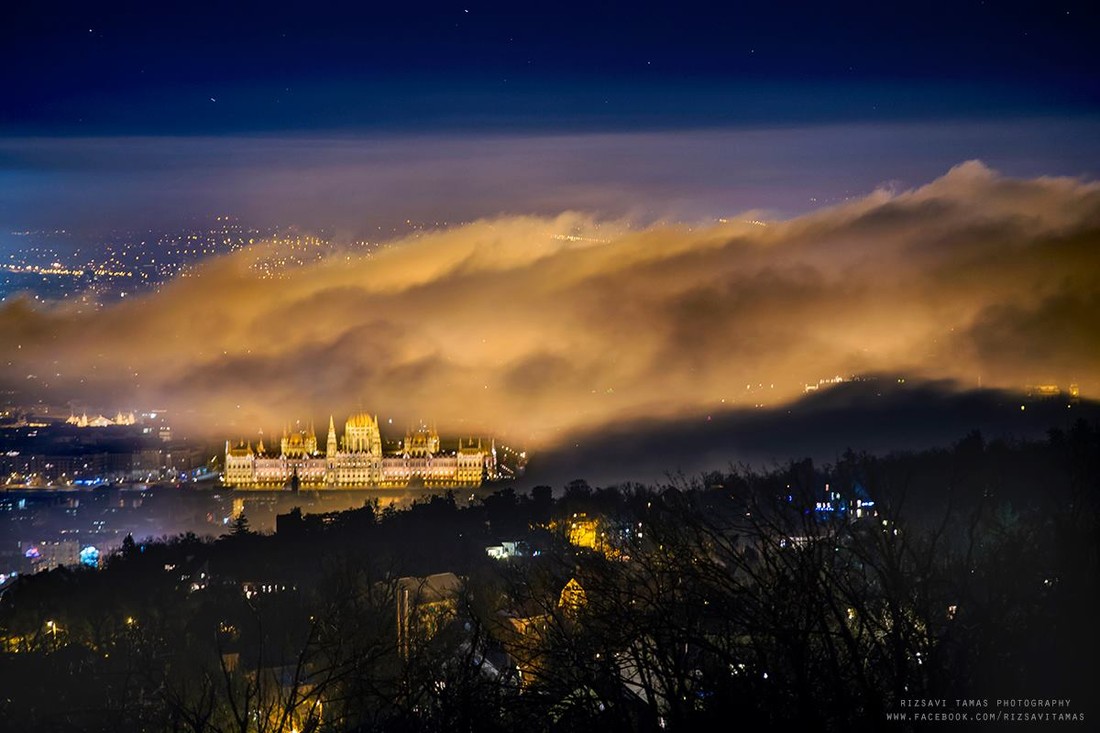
(534,328)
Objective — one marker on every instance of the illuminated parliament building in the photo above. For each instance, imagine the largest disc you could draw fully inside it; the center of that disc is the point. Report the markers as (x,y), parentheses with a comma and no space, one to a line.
(357,461)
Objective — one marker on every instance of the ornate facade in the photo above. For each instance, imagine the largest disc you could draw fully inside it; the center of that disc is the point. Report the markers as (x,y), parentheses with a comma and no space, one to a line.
(358,461)
(99,421)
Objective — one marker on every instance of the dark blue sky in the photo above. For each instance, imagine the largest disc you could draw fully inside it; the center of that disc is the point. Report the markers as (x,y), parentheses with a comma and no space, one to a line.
(122,115)
(211,68)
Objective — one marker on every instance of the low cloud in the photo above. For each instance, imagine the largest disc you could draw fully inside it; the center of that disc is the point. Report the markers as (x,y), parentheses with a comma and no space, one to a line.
(543,328)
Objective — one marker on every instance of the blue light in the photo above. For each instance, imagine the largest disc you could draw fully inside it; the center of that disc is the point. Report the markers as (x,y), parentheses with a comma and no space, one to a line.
(89,556)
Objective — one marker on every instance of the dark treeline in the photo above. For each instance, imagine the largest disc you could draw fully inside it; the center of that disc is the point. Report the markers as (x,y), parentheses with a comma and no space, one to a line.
(803,595)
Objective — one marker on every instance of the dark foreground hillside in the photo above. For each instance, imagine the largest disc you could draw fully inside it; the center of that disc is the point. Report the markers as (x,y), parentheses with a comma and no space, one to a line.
(840,597)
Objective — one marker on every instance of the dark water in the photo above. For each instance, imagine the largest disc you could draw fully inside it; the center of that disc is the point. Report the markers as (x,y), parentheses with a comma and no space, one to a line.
(101,517)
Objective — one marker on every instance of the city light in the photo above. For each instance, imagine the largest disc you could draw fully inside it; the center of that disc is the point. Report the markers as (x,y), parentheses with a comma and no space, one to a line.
(549,366)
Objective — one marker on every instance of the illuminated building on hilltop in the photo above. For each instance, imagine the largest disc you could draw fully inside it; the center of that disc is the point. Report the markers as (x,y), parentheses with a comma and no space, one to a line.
(1052,391)
(358,461)
(572,598)
(584,532)
(99,421)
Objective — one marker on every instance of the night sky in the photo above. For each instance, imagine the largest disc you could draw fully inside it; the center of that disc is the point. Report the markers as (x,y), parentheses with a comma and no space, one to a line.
(217,68)
(139,114)
(925,173)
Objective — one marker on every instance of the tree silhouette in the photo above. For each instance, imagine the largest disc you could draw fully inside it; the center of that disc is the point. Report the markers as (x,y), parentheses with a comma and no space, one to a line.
(763,596)
(240,526)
